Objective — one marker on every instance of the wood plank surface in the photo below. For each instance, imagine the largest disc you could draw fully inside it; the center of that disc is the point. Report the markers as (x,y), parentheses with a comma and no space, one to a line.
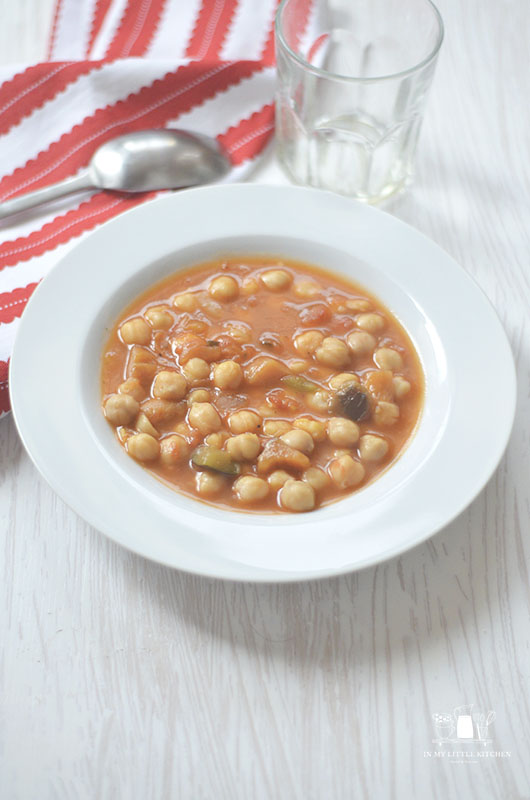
(123,679)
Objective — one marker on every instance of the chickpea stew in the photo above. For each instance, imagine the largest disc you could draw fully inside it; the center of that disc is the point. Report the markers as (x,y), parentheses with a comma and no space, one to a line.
(261,384)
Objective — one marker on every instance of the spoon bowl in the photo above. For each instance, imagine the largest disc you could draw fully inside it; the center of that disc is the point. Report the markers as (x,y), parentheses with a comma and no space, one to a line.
(144,161)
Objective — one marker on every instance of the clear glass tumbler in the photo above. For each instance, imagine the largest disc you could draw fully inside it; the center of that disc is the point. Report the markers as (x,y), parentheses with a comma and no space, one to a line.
(353,78)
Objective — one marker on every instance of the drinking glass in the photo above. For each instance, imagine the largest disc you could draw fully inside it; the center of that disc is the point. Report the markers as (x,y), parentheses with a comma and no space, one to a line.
(353,78)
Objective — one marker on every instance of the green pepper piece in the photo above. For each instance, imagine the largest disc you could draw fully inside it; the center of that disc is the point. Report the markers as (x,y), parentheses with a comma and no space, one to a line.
(300,384)
(213,458)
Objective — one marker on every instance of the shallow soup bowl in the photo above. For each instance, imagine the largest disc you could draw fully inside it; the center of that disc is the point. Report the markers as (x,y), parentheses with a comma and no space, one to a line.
(452,325)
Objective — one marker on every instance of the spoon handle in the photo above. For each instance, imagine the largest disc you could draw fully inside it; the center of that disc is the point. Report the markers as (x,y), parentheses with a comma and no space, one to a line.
(75,184)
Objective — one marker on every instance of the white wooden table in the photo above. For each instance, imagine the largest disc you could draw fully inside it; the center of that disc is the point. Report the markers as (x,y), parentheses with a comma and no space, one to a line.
(122,679)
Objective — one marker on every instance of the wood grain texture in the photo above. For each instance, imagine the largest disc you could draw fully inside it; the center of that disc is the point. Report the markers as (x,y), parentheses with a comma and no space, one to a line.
(121,678)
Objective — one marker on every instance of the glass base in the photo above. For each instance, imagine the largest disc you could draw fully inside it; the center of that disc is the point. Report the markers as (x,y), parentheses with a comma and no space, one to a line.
(389,192)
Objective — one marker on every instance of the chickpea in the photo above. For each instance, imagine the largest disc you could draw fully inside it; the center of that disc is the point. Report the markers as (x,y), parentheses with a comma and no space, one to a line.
(169,385)
(297,496)
(249,488)
(386,358)
(300,440)
(275,427)
(298,365)
(316,478)
(227,375)
(345,471)
(343,432)
(244,447)
(136,331)
(307,343)
(143,447)
(316,429)
(173,449)
(199,396)
(121,409)
(204,417)
(401,387)
(361,343)
(372,448)
(196,370)
(159,317)
(342,379)
(371,322)
(358,305)
(240,333)
(276,279)
(333,352)
(386,413)
(133,387)
(186,302)
(319,401)
(249,286)
(217,439)
(144,425)
(223,288)
(306,289)
(209,483)
(244,422)
(278,478)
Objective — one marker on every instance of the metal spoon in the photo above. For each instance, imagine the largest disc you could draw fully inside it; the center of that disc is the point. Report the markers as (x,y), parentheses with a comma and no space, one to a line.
(142,161)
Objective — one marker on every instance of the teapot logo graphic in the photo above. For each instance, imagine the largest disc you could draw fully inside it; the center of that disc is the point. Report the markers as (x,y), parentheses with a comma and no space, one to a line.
(463,726)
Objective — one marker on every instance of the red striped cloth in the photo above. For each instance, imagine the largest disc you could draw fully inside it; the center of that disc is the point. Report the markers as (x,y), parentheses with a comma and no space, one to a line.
(116,66)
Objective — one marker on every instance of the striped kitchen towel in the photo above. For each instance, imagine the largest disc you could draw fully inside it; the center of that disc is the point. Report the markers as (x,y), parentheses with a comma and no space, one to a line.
(115,66)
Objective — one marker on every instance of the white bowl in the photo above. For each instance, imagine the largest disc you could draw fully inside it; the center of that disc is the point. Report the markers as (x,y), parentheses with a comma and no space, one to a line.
(464,428)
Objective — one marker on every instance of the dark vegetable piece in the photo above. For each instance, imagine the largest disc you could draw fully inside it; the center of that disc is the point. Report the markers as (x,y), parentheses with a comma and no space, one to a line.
(215,459)
(352,403)
(300,384)
(213,343)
